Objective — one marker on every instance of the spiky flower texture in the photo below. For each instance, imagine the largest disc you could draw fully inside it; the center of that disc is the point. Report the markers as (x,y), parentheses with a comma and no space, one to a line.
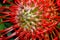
(31,20)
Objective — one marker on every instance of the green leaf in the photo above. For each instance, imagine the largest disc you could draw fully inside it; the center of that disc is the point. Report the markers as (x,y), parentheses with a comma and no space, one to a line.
(10,0)
(9,35)
(6,4)
(8,24)
(59,25)
(0,4)
(2,26)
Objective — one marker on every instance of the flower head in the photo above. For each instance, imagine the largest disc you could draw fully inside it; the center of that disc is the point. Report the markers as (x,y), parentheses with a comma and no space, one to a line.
(32,20)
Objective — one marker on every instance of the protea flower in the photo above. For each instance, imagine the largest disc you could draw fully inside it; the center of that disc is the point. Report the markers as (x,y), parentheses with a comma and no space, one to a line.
(31,19)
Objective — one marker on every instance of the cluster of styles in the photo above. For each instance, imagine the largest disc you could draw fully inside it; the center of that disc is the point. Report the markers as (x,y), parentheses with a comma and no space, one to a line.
(31,19)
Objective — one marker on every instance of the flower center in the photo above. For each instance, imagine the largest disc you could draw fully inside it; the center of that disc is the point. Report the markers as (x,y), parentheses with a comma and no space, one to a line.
(28,17)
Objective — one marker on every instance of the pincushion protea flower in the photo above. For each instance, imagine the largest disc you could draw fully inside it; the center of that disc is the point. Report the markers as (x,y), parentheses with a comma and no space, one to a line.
(32,20)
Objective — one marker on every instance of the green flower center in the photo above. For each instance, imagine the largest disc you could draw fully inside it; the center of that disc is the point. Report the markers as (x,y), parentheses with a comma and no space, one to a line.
(28,17)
